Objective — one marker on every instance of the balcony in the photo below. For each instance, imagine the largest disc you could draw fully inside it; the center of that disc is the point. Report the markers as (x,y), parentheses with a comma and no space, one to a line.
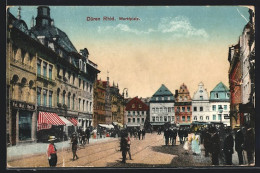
(46,79)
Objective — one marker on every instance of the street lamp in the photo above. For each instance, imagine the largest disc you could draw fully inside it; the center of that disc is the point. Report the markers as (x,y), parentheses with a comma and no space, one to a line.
(220,109)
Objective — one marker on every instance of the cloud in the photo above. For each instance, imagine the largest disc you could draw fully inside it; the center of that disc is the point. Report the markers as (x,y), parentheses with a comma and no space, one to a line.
(179,26)
(125,28)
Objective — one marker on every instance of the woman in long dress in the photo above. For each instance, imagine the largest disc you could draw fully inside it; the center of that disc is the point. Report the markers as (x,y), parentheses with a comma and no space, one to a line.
(197,149)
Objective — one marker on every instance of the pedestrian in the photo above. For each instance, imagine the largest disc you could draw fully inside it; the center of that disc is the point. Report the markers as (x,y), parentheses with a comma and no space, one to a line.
(250,145)
(123,146)
(166,135)
(195,144)
(174,135)
(239,143)
(52,152)
(228,146)
(207,142)
(186,145)
(128,147)
(215,147)
(74,148)
(143,133)
(139,134)
(180,134)
(87,134)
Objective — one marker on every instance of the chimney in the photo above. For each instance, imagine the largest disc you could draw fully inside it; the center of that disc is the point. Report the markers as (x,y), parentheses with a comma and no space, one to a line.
(19,13)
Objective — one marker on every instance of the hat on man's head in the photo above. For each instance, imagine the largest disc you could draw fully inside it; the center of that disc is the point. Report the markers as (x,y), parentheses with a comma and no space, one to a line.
(52,138)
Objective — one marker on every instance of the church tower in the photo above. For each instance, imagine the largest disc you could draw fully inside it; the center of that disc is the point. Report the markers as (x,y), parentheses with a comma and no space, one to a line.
(43,16)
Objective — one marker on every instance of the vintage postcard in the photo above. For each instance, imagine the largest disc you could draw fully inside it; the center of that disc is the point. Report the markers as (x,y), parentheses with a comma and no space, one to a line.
(130,86)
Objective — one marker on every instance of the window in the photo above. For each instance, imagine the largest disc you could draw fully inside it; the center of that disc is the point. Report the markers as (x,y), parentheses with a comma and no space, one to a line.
(133,105)
(160,118)
(142,120)
(178,109)
(165,110)
(169,109)
(63,97)
(87,86)
(140,106)
(68,100)
(44,97)
(39,96)
(188,109)
(183,109)
(138,120)
(228,95)
(50,72)
(83,85)
(207,117)
(133,112)
(160,109)
(129,113)
(73,79)
(214,107)
(162,98)
(153,110)
(172,118)
(157,110)
(219,116)
(79,103)
(90,106)
(201,97)
(157,119)
(44,69)
(214,117)
(73,102)
(79,82)
(153,119)
(90,88)
(216,95)
(225,107)
(194,109)
(133,120)
(188,118)
(169,98)
(50,98)
(183,118)
(219,106)
(195,118)
(39,67)
(156,98)
(201,108)
(83,105)
(201,117)
(165,118)
(129,120)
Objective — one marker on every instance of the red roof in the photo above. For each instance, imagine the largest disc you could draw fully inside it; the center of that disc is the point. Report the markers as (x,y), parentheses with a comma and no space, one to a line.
(136,105)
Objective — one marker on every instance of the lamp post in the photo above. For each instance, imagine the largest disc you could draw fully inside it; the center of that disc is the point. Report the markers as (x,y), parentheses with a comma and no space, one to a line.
(125,92)
(220,109)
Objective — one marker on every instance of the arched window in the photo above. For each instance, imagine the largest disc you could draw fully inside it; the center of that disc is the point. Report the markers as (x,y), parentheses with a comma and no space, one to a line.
(58,96)
(69,100)
(73,102)
(195,118)
(63,97)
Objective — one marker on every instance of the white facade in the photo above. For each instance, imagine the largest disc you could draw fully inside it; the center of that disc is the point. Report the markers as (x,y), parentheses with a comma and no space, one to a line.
(216,115)
(244,54)
(200,105)
(162,112)
(135,118)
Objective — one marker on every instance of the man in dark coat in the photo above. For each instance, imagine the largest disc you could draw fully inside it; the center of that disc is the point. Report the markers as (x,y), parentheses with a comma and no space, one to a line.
(87,134)
(166,135)
(228,147)
(180,134)
(250,145)
(215,147)
(123,145)
(239,143)
(139,134)
(143,133)
(207,142)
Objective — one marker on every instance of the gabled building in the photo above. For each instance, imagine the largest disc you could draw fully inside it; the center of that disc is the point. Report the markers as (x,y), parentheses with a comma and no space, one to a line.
(183,106)
(99,103)
(136,112)
(220,104)
(162,107)
(200,105)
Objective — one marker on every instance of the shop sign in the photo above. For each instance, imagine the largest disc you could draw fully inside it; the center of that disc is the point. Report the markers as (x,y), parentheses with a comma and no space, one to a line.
(22,105)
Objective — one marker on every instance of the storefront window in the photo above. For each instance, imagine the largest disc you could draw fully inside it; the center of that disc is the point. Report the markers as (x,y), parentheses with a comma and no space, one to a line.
(25,125)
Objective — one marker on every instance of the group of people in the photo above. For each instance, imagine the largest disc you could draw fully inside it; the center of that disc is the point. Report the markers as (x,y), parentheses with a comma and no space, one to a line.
(83,136)
(137,133)
(170,135)
(220,143)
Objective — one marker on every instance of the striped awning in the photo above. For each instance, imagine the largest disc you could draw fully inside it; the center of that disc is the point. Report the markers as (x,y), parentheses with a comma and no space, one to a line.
(47,119)
(73,121)
(65,120)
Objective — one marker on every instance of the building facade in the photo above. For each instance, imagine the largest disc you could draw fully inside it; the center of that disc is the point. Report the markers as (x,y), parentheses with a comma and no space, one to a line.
(235,75)
(136,112)
(162,107)
(60,84)
(99,103)
(200,105)
(220,104)
(183,106)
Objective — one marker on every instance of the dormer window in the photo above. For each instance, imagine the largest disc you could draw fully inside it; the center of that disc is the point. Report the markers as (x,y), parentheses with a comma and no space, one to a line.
(140,106)
(217,95)
(80,64)
(133,105)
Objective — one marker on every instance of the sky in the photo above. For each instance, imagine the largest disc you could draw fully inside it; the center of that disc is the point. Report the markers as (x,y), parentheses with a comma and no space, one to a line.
(168,45)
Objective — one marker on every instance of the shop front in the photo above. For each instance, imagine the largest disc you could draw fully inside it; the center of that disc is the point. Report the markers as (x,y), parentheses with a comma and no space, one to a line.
(23,123)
